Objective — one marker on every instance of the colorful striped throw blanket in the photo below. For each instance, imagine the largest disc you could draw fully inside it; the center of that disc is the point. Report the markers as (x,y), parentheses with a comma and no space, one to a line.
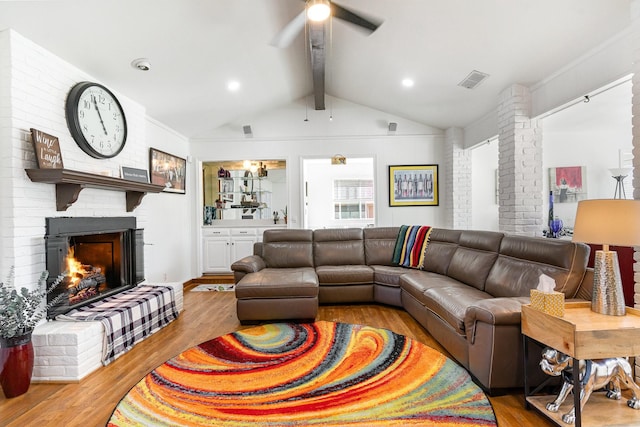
(411,245)
(128,317)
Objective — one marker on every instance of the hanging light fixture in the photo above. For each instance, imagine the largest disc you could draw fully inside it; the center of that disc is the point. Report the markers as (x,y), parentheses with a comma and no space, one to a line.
(338,159)
(318,10)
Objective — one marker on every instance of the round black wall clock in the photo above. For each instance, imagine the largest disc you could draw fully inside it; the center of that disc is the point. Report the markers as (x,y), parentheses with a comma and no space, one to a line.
(96,120)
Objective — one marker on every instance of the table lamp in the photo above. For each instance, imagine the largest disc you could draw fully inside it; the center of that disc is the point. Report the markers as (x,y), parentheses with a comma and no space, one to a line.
(608,222)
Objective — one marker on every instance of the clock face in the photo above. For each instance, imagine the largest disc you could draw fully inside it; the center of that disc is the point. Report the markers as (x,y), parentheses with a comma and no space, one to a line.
(96,120)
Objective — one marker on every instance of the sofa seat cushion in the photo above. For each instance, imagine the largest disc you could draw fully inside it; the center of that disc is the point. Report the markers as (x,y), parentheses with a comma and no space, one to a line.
(387,275)
(417,283)
(344,274)
(450,303)
(279,283)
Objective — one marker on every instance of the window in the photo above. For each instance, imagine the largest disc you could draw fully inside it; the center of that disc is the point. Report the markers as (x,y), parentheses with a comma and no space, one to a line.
(353,199)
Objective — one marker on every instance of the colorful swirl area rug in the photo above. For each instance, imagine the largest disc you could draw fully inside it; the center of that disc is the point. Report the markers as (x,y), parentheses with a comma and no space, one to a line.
(315,374)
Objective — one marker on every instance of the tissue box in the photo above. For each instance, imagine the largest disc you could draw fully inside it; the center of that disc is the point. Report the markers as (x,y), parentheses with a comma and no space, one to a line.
(550,303)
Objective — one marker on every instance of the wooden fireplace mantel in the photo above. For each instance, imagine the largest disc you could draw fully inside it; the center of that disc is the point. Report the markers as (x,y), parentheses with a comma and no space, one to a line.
(69,183)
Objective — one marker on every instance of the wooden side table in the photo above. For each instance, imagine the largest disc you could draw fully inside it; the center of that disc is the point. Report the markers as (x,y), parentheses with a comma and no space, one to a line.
(583,334)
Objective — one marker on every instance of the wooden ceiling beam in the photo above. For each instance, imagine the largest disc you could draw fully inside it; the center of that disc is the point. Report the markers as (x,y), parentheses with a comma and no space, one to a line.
(318,58)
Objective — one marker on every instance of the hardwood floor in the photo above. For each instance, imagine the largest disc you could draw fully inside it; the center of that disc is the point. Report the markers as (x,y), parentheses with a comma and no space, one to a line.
(206,315)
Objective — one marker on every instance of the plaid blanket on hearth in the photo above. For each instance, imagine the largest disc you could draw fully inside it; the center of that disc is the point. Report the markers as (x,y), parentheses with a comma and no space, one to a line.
(128,317)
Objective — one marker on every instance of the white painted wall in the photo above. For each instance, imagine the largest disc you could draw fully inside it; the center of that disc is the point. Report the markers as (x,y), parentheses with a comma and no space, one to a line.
(584,134)
(588,134)
(595,69)
(484,208)
(34,86)
(355,131)
(171,220)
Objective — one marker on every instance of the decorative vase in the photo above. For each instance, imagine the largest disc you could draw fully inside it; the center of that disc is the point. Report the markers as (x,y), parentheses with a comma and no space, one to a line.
(550,208)
(556,228)
(16,364)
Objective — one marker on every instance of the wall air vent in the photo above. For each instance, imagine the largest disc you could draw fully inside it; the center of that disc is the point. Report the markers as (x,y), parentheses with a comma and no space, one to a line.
(473,79)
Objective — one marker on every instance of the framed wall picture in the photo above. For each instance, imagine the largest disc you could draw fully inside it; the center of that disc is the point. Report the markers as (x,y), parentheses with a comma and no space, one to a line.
(568,183)
(168,170)
(413,185)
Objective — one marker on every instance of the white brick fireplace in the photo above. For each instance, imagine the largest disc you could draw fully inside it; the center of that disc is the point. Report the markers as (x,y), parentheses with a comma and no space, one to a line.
(34,85)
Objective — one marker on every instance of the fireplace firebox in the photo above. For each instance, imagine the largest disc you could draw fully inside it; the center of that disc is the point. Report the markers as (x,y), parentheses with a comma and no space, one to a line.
(99,257)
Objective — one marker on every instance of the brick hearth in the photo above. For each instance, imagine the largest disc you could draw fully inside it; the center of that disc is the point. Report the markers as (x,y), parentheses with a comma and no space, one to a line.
(69,351)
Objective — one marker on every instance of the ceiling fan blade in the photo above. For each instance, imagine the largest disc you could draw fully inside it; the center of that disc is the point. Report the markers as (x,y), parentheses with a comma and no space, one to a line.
(288,34)
(353,18)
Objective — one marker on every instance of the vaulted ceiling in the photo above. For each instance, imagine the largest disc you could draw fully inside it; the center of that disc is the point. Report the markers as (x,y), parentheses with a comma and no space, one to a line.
(196,47)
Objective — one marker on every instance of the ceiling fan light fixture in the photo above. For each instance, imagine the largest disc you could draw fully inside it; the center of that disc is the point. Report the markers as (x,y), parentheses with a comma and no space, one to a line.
(318,10)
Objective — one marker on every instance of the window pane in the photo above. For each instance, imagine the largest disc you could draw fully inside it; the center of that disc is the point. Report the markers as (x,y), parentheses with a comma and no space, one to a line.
(353,199)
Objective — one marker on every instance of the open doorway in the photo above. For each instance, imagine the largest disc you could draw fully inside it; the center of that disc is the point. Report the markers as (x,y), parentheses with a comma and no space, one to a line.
(338,195)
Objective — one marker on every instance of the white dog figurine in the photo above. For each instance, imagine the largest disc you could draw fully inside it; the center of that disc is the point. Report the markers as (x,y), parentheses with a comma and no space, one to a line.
(594,374)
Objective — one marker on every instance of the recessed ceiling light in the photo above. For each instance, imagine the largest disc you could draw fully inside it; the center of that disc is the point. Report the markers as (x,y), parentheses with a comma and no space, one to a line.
(233,85)
(407,82)
(141,64)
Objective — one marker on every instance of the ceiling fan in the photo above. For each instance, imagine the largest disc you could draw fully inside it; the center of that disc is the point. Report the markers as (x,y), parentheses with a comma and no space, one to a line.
(317,12)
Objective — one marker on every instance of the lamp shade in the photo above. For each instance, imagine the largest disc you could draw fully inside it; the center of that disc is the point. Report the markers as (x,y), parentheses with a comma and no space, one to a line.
(608,222)
(620,172)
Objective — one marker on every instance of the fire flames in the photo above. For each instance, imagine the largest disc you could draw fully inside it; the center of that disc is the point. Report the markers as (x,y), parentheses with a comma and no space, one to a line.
(83,280)
(74,268)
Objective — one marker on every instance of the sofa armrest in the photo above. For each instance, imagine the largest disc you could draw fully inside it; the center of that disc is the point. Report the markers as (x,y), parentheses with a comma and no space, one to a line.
(248,264)
(494,311)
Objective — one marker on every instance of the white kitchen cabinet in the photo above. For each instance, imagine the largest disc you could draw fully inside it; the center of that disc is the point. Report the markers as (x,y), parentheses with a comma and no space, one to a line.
(222,246)
(242,240)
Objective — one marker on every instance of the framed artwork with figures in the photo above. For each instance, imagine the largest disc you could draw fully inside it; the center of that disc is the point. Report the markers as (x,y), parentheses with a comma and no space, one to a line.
(168,170)
(568,183)
(413,185)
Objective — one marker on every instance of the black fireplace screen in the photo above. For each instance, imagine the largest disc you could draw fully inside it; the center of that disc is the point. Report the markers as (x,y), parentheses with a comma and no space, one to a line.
(98,256)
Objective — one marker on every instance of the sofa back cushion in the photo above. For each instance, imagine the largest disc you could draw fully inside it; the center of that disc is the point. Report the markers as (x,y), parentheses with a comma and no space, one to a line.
(287,248)
(338,246)
(474,257)
(523,259)
(442,244)
(378,244)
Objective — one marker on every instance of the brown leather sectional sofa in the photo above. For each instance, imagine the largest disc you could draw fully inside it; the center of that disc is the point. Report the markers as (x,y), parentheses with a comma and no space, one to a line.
(468,296)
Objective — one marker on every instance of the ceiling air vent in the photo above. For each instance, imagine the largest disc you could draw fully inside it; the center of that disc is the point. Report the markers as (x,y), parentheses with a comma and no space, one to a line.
(473,79)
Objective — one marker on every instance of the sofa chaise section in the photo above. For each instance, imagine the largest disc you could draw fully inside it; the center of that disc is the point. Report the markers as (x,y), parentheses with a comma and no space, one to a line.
(280,282)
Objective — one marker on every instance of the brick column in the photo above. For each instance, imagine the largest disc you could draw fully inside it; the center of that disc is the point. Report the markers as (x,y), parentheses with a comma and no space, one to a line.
(520,164)
(455,193)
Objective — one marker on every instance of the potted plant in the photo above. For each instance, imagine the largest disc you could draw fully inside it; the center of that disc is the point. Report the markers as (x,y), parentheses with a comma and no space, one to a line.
(20,312)
(284,214)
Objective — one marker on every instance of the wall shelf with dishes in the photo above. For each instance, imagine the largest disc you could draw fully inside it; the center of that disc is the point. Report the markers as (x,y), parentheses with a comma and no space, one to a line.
(243,190)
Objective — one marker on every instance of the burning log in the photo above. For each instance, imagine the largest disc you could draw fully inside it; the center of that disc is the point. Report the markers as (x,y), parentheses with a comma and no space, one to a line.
(85,283)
